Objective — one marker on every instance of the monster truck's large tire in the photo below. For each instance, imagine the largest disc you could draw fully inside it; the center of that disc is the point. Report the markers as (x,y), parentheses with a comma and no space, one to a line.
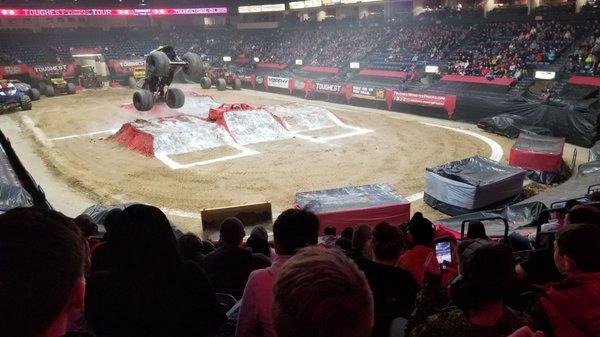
(34,94)
(26,103)
(131,82)
(71,89)
(175,98)
(42,88)
(194,64)
(158,64)
(143,100)
(237,84)
(49,91)
(205,82)
(221,84)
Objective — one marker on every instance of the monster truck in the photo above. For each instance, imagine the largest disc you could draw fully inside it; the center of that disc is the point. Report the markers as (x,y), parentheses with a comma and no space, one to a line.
(137,74)
(55,84)
(161,65)
(221,78)
(33,93)
(11,98)
(88,77)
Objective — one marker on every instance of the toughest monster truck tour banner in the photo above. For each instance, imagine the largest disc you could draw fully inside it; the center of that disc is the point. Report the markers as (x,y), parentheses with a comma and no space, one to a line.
(111,12)
(365,92)
(328,88)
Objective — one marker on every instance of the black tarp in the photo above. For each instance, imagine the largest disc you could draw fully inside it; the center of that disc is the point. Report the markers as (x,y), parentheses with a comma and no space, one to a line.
(585,169)
(12,194)
(576,122)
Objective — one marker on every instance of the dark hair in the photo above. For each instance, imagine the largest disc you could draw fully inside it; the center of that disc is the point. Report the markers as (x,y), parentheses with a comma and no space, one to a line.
(476,230)
(344,244)
(571,203)
(41,260)
(386,242)
(259,241)
(330,230)
(190,245)
(111,220)
(584,214)
(487,273)
(294,229)
(579,242)
(421,230)
(231,231)
(85,224)
(347,233)
(144,242)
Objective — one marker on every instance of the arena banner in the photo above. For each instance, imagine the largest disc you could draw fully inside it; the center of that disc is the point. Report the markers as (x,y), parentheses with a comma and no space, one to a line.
(300,84)
(66,70)
(448,102)
(9,12)
(277,82)
(17,69)
(125,66)
(368,92)
(328,88)
(248,79)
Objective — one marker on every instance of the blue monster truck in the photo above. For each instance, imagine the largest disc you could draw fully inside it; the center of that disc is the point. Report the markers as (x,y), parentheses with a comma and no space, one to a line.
(11,98)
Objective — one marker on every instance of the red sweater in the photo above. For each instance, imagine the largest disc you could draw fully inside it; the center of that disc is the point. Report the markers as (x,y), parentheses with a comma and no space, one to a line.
(573,306)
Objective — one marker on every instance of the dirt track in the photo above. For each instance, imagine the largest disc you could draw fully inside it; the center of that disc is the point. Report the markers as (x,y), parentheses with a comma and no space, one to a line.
(396,152)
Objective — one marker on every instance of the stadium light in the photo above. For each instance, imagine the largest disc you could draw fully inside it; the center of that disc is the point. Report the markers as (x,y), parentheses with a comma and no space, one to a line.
(256,59)
(226,58)
(299,62)
(354,65)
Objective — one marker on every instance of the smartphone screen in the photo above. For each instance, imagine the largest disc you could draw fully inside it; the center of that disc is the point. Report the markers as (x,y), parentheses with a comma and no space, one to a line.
(443,253)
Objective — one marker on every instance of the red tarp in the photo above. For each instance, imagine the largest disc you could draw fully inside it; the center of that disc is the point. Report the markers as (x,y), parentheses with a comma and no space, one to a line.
(448,102)
(537,153)
(479,79)
(585,80)
(382,73)
(326,70)
(272,65)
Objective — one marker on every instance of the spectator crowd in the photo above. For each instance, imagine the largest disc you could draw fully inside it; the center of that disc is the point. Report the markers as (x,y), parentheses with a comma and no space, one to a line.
(58,277)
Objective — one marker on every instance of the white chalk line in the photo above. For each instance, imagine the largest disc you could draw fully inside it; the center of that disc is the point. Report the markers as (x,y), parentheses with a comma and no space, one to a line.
(111,131)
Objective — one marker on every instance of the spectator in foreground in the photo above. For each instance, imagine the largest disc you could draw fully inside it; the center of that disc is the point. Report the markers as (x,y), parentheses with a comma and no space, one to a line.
(191,248)
(229,266)
(102,252)
(329,237)
(421,236)
(486,277)
(41,272)
(150,291)
(294,229)
(394,289)
(321,294)
(571,308)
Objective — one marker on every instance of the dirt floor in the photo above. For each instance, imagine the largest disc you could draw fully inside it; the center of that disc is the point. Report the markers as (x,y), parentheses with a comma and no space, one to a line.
(397,152)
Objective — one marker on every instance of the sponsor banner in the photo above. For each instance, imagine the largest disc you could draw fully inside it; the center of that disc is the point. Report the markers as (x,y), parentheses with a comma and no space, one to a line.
(260,80)
(278,82)
(448,102)
(328,88)
(366,92)
(132,63)
(111,11)
(7,71)
(50,69)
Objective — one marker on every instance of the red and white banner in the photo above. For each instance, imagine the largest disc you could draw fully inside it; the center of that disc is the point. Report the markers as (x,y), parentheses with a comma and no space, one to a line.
(278,82)
(111,11)
(328,88)
(448,101)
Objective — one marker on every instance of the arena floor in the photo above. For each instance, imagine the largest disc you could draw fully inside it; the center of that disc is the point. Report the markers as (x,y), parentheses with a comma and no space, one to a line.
(73,135)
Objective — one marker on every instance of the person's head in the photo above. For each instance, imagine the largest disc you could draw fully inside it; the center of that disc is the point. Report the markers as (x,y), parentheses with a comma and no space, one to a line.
(347,233)
(41,272)
(111,220)
(189,245)
(361,237)
(386,242)
(344,244)
(476,230)
(231,232)
(85,224)
(330,230)
(258,241)
(295,229)
(583,214)
(486,274)
(420,230)
(322,294)
(569,204)
(143,241)
(575,249)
